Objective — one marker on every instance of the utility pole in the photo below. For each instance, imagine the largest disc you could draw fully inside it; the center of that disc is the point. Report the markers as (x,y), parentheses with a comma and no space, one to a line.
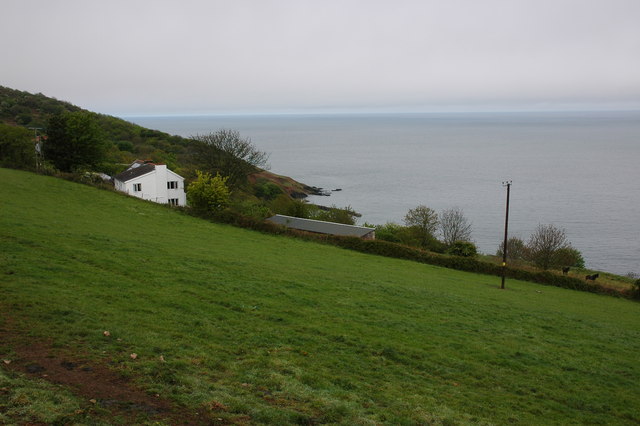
(506,228)
(37,146)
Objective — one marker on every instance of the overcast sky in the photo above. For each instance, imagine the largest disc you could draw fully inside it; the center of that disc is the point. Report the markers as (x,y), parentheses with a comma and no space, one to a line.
(129,57)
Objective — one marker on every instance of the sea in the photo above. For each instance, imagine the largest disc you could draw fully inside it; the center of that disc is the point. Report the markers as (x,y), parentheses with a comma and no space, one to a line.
(579,171)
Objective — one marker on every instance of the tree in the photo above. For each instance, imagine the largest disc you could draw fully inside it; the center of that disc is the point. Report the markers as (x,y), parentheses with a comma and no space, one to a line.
(208,194)
(544,244)
(454,226)
(74,140)
(516,249)
(424,222)
(334,214)
(227,153)
(568,256)
(17,149)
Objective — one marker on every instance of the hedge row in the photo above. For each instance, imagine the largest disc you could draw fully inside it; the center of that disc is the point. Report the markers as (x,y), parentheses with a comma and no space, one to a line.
(399,251)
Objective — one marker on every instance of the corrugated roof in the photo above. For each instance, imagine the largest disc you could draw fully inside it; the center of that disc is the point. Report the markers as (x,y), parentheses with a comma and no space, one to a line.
(135,172)
(320,227)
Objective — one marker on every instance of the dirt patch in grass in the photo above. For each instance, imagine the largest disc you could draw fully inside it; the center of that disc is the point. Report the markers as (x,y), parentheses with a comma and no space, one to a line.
(105,393)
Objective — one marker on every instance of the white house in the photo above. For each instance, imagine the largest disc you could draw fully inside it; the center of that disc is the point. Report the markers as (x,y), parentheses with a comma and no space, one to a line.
(154,182)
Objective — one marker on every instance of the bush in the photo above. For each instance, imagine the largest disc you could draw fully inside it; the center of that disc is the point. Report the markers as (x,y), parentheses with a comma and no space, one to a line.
(635,289)
(257,211)
(125,146)
(267,190)
(335,214)
(568,256)
(390,231)
(207,193)
(516,250)
(463,248)
(285,205)
(16,147)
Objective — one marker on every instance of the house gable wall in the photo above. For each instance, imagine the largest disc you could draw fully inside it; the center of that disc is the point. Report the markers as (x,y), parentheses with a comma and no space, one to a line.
(153,186)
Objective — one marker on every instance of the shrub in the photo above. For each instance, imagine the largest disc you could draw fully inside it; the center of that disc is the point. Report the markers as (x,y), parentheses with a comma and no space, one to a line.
(334,214)
(568,256)
(254,210)
(635,289)
(267,190)
(16,147)
(207,193)
(389,232)
(283,204)
(463,248)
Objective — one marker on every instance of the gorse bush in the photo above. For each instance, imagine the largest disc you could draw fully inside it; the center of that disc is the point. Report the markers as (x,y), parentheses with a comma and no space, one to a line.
(207,193)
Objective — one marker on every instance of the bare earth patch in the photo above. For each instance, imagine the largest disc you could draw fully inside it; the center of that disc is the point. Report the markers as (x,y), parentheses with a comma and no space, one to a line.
(100,387)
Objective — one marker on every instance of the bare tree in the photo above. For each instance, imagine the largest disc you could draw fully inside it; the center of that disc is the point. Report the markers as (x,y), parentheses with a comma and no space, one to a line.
(454,226)
(229,154)
(544,244)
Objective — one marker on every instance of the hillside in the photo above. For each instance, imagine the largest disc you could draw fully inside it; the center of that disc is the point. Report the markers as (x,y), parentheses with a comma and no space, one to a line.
(127,141)
(237,327)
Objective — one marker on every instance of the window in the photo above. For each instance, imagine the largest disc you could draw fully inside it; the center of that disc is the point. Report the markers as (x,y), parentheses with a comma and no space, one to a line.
(173,201)
(172,184)
(137,187)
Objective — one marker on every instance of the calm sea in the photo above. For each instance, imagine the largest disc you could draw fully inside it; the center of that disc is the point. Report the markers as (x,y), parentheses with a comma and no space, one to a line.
(578,171)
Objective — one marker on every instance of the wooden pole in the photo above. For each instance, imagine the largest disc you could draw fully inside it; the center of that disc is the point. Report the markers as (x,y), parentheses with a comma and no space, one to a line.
(506,229)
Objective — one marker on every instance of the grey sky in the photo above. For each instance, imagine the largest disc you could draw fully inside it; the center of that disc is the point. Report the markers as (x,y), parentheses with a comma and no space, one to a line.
(197,56)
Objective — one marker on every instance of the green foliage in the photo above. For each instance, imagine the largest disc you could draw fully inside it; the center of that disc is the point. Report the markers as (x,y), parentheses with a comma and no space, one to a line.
(568,256)
(283,204)
(17,148)
(28,109)
(462,248)
(74,140)
(334,214)
(635,288)
(516,250)
(125,146)
(208,194)
(392,232)
(423,221)
(267,190)
(255,210)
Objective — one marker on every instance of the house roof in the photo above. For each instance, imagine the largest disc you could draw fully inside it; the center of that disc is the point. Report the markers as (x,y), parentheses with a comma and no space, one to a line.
(320,227)
(135,172)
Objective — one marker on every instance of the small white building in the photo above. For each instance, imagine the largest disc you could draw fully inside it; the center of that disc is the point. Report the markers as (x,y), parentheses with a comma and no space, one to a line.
(322,227)
(154,182)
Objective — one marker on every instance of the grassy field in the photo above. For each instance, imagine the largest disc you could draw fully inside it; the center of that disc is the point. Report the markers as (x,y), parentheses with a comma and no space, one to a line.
(257,329)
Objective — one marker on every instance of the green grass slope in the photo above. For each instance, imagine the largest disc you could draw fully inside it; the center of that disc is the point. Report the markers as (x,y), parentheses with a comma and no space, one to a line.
(267,329)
